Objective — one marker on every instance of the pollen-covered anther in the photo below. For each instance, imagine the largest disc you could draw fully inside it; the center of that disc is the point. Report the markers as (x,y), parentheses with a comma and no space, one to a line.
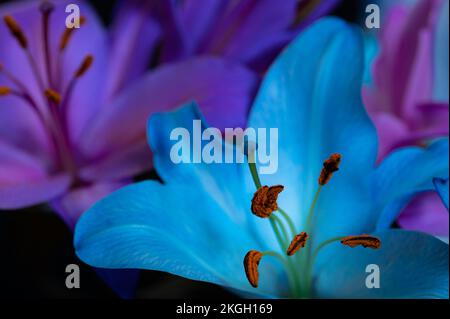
(67,35)
(53,96)
(330,166)
(298,242)
(16,31)
(84,66)
(4,90)
(366,241)
(264,201)
(251,263)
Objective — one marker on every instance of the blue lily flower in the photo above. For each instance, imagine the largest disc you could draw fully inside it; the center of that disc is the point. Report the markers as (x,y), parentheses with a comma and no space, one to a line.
(198,223)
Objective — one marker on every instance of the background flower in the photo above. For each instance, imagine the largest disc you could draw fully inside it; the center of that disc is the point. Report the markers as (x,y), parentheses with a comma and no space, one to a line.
(62,150)
(407,101)
(73,158)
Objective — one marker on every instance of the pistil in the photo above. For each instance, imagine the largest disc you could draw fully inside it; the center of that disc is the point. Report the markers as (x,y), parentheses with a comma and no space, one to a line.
(264,203)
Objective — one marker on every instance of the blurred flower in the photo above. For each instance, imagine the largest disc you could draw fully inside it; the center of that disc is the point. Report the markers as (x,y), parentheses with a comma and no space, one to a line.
(198,224)
(252,31)
(407,102)
(74,103)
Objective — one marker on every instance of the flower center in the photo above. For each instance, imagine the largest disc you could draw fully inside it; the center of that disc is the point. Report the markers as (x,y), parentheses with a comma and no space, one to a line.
(295,254)
(53,115)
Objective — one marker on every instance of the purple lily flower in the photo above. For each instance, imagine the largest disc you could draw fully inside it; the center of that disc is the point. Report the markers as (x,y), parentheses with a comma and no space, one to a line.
(252,31)
(402,104)
(62,90)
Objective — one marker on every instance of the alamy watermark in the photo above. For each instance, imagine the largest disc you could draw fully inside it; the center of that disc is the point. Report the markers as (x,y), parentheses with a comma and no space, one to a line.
(73,19)
(210,147)
(373,17)
(373,279)
(73,279)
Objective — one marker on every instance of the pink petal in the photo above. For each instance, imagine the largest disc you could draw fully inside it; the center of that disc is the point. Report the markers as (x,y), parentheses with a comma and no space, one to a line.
(391,130)
(223,90)
(426,213)
(24,181)
(122,163)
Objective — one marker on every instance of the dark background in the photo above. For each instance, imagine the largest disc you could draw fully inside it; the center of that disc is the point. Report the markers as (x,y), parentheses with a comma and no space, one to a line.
(36,246)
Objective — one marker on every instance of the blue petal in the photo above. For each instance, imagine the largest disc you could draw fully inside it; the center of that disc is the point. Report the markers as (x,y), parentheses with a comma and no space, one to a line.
(442,186)
(405,173)
(167,228)
(371,49)
(193,226)
(312,94)
(223,182)
(412,265)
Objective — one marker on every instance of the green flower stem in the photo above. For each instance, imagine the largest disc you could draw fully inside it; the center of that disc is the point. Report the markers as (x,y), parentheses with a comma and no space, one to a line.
(310,215)
(280,226)
(289,221)
(254,171)
(293,283)
(314,256)
(306,260)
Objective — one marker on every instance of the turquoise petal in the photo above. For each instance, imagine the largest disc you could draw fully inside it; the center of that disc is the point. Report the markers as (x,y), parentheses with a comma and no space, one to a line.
(170,228)
(191,225)
(312,94)
(442,188)
(411,265)
(405,173)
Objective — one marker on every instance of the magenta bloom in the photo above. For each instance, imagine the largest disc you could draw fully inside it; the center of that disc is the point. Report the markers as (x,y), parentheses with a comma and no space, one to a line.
(251,32)
(401,101)
(74,104)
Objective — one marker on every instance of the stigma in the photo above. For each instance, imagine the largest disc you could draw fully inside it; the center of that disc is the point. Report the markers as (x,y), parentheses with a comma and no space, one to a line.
(330,166)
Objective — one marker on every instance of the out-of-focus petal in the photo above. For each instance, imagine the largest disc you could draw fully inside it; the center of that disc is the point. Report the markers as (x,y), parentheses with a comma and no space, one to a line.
(426,213)
(391,131)
(134,37)
(89,92)
(223,90)
(442,188)
(73,204)
(405,173)
(24,181)
(129,161)
(246,28)
(441,56)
